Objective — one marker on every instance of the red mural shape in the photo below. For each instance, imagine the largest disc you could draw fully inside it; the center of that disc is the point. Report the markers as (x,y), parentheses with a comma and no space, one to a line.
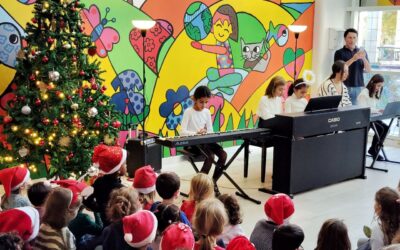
(155,38)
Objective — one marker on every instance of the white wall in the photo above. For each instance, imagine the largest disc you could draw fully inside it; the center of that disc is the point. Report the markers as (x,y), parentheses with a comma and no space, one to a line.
(328,14)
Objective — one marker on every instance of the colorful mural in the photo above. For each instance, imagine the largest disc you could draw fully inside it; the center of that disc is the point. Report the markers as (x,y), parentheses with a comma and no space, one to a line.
(232,46)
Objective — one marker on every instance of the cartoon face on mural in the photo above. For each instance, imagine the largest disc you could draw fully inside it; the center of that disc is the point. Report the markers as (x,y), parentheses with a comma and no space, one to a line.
(193,43)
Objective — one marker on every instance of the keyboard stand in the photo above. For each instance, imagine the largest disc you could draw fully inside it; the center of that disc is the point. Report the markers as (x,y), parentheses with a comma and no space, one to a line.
(381,142)
(240,191)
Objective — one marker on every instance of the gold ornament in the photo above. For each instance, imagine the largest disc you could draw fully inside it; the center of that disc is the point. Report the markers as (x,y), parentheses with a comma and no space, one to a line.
(64,141)
(109,140)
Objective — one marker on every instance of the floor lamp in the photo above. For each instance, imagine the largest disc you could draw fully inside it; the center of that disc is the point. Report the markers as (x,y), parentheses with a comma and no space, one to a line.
(296,29)
(143,26)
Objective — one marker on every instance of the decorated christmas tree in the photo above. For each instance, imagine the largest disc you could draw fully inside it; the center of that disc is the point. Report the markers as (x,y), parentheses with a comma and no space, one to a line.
(59,112)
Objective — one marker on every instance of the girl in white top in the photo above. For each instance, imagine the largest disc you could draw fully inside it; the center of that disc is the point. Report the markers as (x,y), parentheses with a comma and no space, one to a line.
(271,103)
(369,97)
(334,84)
(296,102)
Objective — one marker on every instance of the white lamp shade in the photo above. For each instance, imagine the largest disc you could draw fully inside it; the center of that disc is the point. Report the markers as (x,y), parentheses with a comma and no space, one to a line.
(297,28)
(143,24)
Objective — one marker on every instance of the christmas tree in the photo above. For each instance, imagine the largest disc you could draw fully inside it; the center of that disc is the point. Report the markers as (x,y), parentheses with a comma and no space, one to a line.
(59,112)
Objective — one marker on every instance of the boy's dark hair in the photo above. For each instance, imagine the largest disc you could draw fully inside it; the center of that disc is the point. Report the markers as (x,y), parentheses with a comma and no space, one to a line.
(166,215)
(377,78)
(10,241)
(232,208)
(202,91)
(167,184)
(38,192)
(350,30)
(287,237)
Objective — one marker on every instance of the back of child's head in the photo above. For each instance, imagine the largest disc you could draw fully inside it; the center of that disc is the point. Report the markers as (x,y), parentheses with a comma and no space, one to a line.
(279,208)
(167,185)
(166,215)
(334,236)
(202,91)
(201,187)
(298,84)
(387,208)
(232,208)
(287,237)
(209,221)
(275,82)
(59,209)
(38,192)
(123,201)
(10,241)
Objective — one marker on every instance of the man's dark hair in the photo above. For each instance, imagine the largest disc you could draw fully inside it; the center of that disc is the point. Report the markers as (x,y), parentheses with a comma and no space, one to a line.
(350,30)
(287,237)
(167,184)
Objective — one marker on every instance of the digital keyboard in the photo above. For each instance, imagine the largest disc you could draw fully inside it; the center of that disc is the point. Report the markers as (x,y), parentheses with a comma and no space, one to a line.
(380,117)
(241,134)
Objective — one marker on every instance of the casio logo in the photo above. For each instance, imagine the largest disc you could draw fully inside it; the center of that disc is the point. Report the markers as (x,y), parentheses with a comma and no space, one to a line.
(334,119)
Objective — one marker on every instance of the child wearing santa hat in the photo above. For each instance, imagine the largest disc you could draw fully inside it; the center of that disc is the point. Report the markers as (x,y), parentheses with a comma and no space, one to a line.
(201,188)
(112,163)
(177,236)
(14,180)
(240,243)
(140,229)
(278,209)
(22,220)
(60,208)
(208,223)
(145,183)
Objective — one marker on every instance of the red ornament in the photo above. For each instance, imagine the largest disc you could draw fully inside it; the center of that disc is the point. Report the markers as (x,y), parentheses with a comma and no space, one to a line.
(38,102)
(70,155)
(106,125)
(104,88)
(46,121)
(45,59)
(95,86)
(74,59)
(58,93)
(69,98)
(33,52)
(73,8)
(55,122)
(82,73)
(92,51)
(7,119)
(116,124)
(21,98)
(100,103)
(34,20)
(89,99)
(32,77)
(41,143)
(50,40)
(62,24)
(77,3)
(97,124)
(81,28)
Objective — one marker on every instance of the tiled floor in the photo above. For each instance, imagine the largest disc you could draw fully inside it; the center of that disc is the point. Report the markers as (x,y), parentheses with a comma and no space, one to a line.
(351,200)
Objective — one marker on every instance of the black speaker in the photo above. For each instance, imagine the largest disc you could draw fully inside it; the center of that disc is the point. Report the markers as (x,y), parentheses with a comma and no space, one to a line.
(140,155)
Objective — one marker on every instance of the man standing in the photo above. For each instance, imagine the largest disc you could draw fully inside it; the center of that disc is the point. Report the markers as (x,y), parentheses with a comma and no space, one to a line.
(357,60)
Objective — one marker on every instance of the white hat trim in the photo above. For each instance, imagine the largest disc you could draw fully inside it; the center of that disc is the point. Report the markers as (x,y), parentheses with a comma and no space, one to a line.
(34,216)
(26,178)
(146,190)
(116,168)
(149,239)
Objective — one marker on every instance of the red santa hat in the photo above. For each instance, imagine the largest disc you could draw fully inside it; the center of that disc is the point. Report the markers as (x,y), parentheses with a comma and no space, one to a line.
(77,188)
(23,220)
(108,158)
(279,207)
(145,180)
(177,236)
(140,228)
(240,243)
(13,178)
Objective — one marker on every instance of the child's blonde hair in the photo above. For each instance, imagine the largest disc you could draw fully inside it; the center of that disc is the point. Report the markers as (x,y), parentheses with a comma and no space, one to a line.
(147,198)
(209,221)
(201,187)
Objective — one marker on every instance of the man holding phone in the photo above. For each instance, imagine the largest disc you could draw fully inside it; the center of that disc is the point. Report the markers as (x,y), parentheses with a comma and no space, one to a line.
(357,60)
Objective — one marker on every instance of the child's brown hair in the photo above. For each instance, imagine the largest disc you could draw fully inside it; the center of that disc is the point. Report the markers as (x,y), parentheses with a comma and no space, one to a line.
(123,201)
(201,187)
(389,215)
(209,221)
(275,82)
(333,235)
(58,210)
(232,208)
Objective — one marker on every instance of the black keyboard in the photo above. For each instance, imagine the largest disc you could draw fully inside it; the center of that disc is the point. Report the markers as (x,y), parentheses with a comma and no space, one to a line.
(242,134)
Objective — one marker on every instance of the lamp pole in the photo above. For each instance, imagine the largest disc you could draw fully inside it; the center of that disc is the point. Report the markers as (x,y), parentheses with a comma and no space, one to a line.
(296,29)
